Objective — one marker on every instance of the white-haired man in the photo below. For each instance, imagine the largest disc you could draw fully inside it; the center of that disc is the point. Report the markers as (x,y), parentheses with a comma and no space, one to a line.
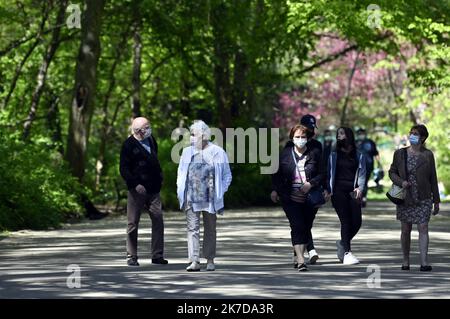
(139,167)
(204,176)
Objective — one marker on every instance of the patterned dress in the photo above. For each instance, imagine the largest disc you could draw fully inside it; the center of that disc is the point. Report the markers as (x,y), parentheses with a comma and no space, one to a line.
(200,184)
(419,211)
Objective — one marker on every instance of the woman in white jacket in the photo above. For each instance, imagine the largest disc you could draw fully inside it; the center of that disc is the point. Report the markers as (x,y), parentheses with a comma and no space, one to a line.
(204,176)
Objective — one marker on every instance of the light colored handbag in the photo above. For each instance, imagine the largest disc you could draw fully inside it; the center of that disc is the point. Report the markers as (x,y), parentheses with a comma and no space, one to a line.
(396,194)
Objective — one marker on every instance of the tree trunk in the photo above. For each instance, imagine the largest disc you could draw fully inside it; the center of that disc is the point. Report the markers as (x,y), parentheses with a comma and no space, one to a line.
(85,85)
(239,86)
(137,62)
(42,74)
(222,45)
(185,104)
(54,123)
(348,92)
(106,125)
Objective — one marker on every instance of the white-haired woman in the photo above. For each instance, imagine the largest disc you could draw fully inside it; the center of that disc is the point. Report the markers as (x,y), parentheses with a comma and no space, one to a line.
(204,176)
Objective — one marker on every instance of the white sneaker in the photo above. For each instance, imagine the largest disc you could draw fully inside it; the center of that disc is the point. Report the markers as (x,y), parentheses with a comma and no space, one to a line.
(340,250)
(350,259)
(194,266)
(313,256)
(210,267)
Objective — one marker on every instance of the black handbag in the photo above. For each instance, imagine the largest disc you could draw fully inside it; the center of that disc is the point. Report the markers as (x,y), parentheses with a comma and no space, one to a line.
(315,197)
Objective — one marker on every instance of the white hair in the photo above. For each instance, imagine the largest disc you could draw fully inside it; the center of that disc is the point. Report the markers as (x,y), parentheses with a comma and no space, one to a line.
(137,124)
(200,126)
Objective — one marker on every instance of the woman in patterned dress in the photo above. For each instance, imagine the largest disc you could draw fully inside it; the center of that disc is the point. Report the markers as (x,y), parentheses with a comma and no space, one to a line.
(204,176)
(414,169)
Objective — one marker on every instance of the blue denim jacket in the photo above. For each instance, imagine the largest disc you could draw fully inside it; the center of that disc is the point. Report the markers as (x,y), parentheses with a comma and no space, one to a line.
(360,176)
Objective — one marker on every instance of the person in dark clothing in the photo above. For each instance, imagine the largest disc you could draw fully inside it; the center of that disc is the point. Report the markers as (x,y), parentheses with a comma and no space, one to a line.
(140,168)
(298,173)
(367,147)
(346,174)
(327,144)
(414,169)
(309,121)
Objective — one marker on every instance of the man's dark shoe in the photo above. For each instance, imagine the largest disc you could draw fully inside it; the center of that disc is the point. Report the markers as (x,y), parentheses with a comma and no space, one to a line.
(160,261)
(426,268)
(132,261)
(302,267)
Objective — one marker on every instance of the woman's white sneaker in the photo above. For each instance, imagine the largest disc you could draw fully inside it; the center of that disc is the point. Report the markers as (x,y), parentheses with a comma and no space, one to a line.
(210,267)
(194,266)
(350,259)
(313,256)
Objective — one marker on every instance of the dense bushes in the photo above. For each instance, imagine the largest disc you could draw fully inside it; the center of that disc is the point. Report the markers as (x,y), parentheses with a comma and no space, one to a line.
(36,190)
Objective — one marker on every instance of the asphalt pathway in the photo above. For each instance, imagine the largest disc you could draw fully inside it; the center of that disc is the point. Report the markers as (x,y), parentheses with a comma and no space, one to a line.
(254,260)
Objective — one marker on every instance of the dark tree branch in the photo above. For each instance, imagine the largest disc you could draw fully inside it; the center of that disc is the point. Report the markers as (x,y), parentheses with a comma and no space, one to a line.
(348,91)
(42,74)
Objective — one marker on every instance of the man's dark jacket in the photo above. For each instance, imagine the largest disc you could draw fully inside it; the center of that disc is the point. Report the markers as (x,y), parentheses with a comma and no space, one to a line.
(137,166)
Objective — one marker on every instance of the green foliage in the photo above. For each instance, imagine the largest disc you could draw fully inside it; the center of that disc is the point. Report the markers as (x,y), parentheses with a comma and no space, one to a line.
(36,190)
(249,187)
(194,54)
(169,168)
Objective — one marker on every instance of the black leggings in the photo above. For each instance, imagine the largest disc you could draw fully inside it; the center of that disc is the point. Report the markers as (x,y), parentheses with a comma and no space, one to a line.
(300,218)
(369,170)
(349,212)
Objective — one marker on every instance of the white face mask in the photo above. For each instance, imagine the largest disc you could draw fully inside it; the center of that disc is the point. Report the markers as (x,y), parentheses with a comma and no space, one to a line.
(147,133)
(196,141)
(300,142)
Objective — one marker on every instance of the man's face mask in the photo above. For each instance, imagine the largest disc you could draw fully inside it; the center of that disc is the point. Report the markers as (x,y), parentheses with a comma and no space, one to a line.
(361,137)
(146,132)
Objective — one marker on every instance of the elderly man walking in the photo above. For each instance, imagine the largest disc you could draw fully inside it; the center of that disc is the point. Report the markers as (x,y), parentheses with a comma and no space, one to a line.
(140,168)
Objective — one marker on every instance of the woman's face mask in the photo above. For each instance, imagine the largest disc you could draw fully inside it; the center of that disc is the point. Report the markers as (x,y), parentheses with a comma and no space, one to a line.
(196,140)
(343,142)
(414,139)
(300,142)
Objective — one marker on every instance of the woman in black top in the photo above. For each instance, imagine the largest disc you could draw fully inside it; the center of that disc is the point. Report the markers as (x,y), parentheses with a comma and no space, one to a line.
(346,176)
(298,173)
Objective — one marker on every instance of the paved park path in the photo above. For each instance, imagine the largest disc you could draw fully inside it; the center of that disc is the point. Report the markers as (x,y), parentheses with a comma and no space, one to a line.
(254,260)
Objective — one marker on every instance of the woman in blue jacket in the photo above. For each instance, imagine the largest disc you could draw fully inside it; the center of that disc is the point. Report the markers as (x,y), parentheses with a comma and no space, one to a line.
(346,176)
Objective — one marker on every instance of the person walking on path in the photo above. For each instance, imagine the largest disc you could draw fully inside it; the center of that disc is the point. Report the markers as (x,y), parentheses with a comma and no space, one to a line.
(413,168)
(204,176)
(140,168)
(299,172)
(346,179)
(314,146)
(367,147)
